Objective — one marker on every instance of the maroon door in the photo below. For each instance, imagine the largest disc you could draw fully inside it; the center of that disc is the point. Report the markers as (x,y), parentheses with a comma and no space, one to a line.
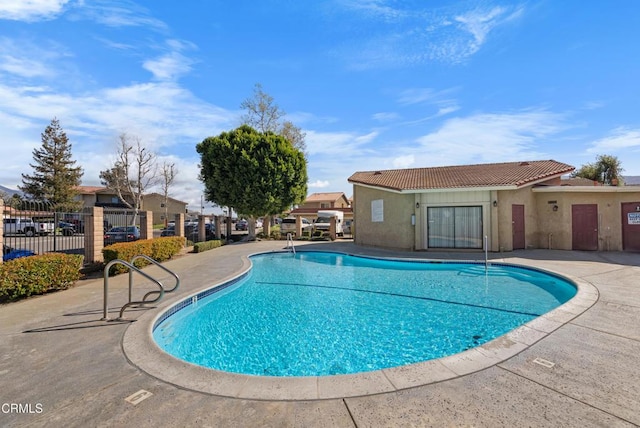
(631,226)
(584,227)
(517,226)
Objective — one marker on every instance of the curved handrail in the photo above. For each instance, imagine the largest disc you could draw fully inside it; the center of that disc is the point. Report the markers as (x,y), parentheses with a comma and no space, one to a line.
(155,262)
(105,315)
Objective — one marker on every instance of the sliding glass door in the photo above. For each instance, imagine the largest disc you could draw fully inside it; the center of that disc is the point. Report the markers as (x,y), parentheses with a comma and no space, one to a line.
(454,227)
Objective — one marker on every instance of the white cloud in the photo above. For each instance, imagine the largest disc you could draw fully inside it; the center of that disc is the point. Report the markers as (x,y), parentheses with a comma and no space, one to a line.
(31,10)
(385,116)
(321,184)
(440,99)
(403,161)
(479,23)
(620,139)
(401,37)
(490,138)
(169,66)
(119,13)
(28,60)
(331,144)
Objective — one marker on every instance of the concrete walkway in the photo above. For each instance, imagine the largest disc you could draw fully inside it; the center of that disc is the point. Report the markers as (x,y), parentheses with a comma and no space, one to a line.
(61,366)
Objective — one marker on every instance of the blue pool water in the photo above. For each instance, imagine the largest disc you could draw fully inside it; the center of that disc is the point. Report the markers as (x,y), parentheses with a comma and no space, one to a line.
(318,313)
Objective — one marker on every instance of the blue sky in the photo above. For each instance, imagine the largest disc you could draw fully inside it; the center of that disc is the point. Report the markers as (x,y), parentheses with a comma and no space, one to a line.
(375,84)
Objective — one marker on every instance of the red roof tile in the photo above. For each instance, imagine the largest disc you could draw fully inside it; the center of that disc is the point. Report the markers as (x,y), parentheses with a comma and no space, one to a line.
(506,174)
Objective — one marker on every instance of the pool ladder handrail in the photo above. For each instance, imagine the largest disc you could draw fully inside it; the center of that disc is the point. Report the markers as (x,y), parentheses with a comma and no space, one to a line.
(132,268)
(290,247)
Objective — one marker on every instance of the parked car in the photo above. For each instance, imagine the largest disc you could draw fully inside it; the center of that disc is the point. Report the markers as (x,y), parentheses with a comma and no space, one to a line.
(66,228)
(288,225)
(242,225)
(170,230)
(9,253)
(121,234)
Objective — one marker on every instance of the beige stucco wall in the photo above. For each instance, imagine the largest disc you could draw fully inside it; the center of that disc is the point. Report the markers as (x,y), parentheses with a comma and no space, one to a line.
(451,199)
(153,202)
(506,199)
(555,226)
(395,231)
(544,227)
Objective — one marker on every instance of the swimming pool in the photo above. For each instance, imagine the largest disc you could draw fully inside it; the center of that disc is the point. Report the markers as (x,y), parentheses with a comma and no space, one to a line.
(319,314)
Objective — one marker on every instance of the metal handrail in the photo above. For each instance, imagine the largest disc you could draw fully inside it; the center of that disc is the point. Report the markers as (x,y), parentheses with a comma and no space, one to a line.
(290,246)
(155,262)
(105,314)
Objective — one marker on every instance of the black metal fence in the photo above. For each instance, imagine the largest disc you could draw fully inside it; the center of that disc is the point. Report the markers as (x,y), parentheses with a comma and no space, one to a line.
(37,227)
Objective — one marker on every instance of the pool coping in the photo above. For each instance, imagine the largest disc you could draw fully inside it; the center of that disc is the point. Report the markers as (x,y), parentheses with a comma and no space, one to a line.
(141,350)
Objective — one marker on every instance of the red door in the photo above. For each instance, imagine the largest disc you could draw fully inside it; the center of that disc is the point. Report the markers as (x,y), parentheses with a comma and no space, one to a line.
(517,226)
(584,227)
(631,226)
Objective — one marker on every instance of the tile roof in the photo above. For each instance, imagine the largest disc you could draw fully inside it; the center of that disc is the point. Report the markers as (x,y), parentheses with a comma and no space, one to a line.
(506,174)
(327,196)
(86,190)
(579,181)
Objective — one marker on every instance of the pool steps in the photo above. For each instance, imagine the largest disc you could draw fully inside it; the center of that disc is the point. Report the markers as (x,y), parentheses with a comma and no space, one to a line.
(130,264)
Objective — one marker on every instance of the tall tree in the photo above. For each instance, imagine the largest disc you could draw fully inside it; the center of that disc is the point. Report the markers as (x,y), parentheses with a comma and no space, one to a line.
(607,170)
(264,115)
(132,173)
(168,172)
(255,173)
(55,177)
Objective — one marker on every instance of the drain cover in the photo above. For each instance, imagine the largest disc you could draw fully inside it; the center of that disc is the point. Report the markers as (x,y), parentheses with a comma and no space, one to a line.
(138,397)
(545,363)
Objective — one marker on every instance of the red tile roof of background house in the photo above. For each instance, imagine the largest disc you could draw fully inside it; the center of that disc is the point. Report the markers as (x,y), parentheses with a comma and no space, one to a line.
(506,174)
(327,196)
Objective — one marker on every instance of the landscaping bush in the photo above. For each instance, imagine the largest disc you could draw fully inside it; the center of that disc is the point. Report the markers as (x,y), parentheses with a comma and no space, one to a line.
(166,247)
(39,274)
(275,234)
(159,249)
(199,247)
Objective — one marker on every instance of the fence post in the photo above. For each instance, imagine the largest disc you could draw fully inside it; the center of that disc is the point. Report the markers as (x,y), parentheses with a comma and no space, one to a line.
(202,233)
(2,230)
(179,225)
(146,224)
(93,234)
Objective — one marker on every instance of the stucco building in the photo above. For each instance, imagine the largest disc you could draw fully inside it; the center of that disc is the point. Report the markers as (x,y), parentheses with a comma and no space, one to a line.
(500,206)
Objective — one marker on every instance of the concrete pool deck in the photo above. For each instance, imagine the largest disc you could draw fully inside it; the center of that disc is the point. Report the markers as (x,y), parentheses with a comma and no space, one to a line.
(578,366)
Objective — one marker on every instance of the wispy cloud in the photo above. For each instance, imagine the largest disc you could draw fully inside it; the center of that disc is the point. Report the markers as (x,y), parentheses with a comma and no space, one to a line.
(320,184)
(620,139)
(118,13)
(490,137)
(332,144)
(171,65)
(31,10)
(405,36)
(373,8)
(385,116)
(442,100)
(28,60)
(480,22)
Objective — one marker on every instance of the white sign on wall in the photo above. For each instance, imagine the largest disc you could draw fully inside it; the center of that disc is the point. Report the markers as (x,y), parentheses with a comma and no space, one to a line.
(633,218)
(377,211)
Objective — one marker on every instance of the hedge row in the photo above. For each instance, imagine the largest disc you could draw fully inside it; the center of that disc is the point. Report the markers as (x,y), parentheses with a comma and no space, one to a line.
(159,249)
(199,247)
(39,274)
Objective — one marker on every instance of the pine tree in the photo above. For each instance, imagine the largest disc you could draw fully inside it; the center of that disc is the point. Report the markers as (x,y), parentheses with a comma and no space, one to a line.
(55,176)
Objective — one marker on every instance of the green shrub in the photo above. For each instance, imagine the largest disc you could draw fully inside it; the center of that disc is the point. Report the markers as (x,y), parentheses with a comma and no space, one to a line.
(199,247)
(159,249)
(39,274)
(166,247)
(275,234)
